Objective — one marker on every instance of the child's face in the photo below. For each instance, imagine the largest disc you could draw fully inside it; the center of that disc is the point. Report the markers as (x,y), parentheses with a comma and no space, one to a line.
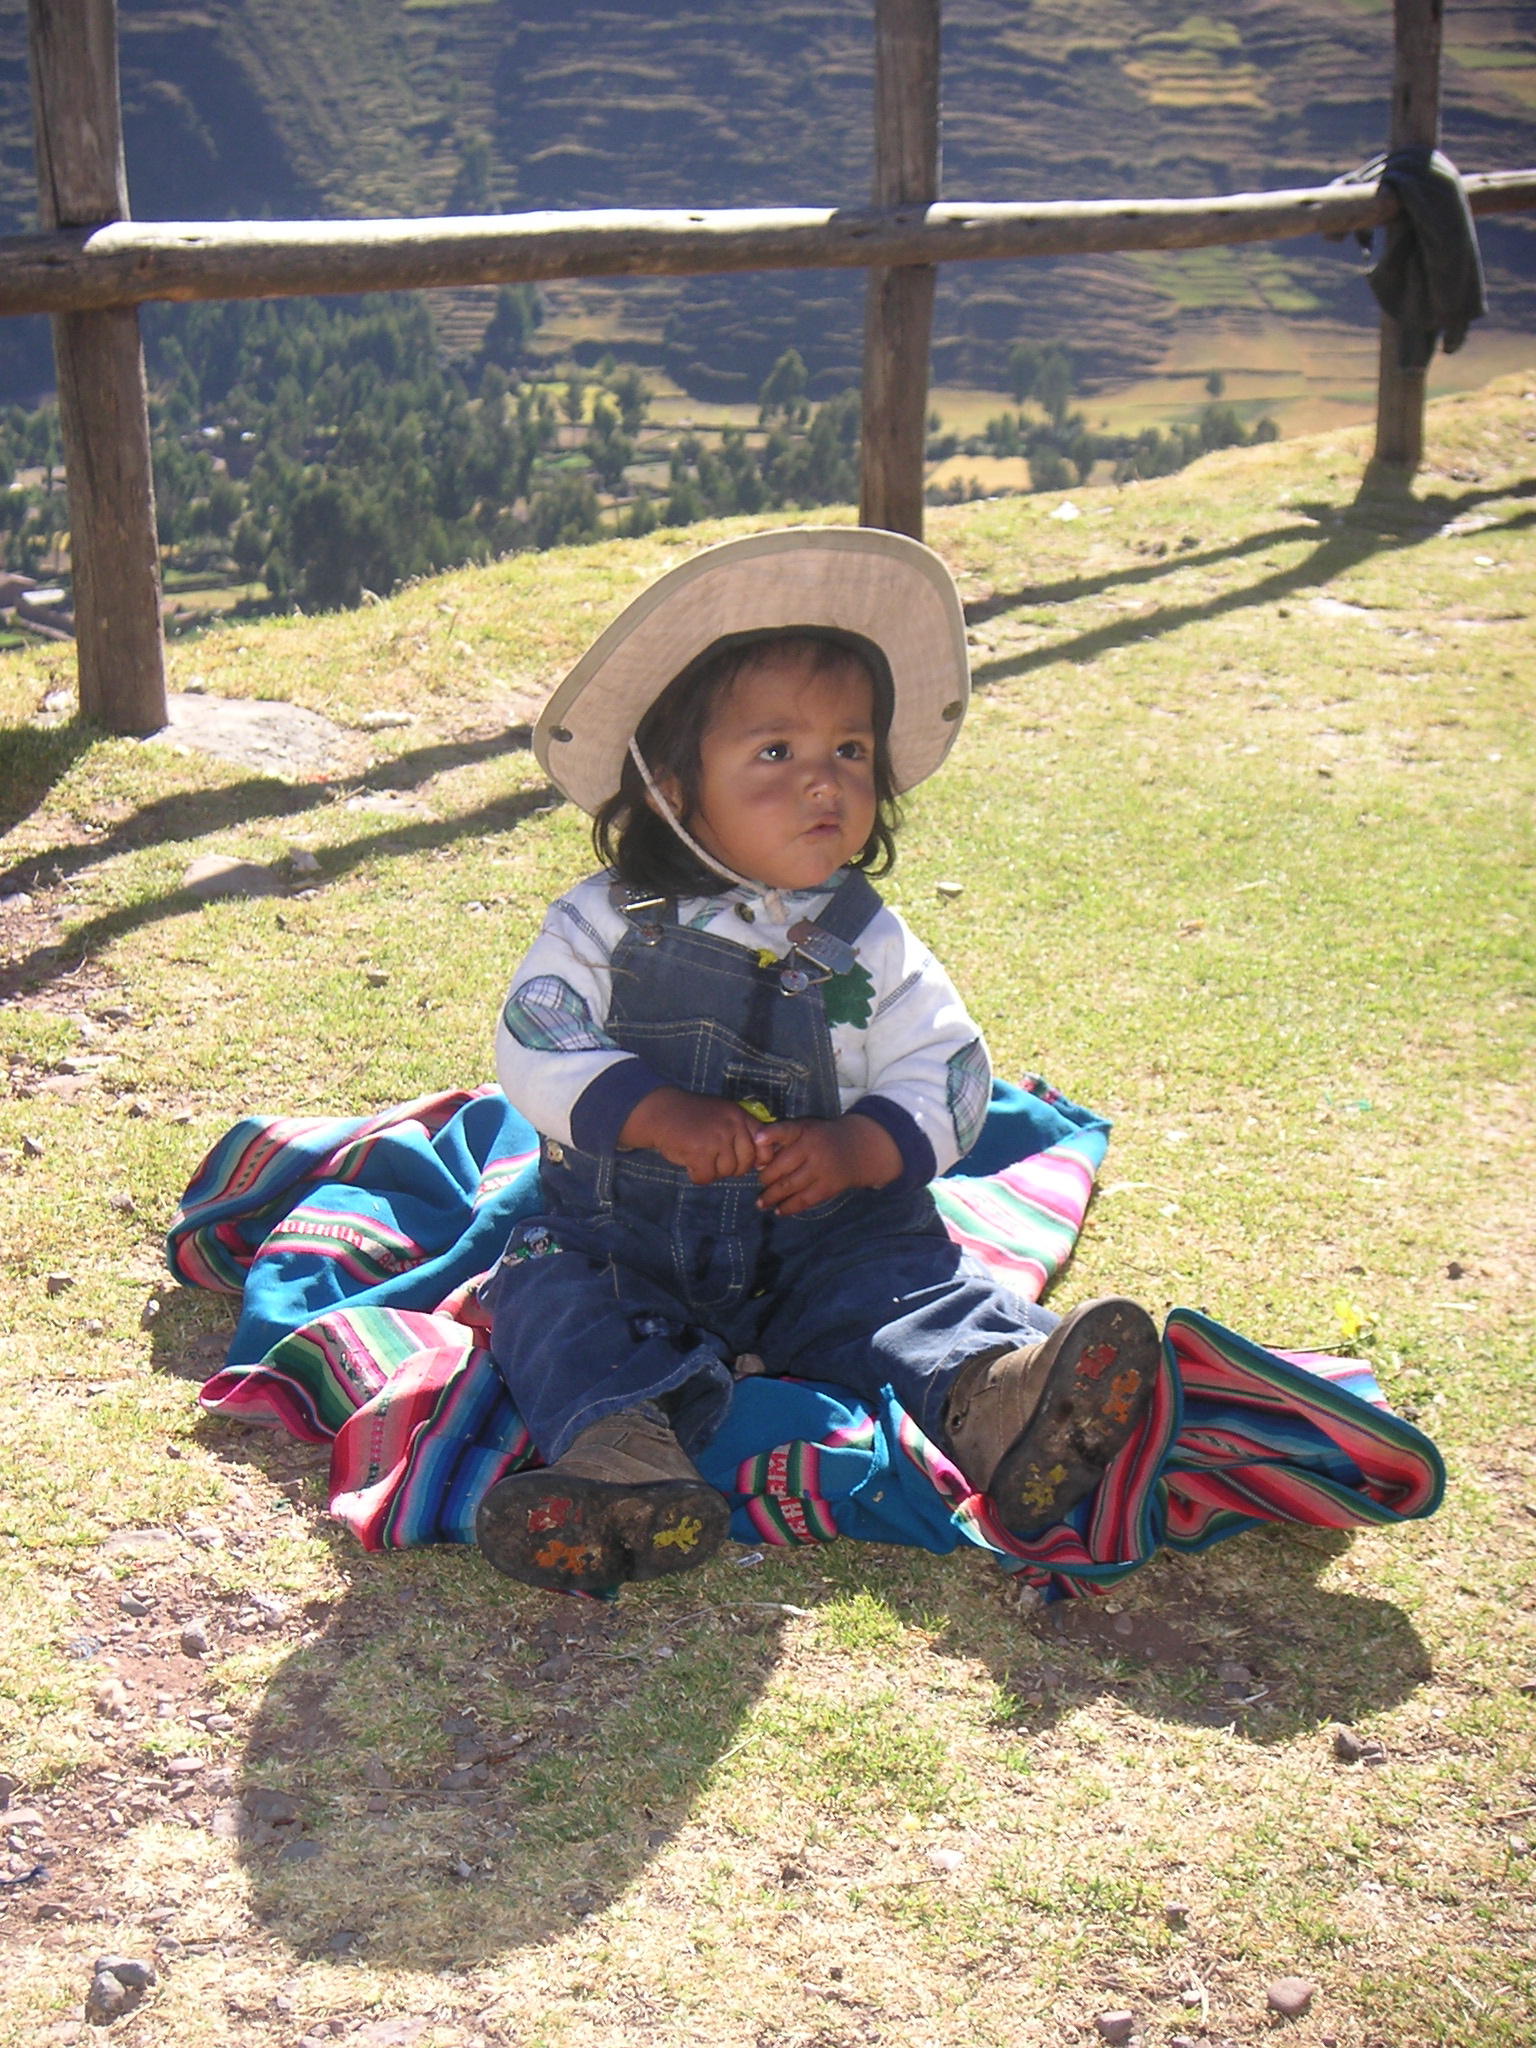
(787,772)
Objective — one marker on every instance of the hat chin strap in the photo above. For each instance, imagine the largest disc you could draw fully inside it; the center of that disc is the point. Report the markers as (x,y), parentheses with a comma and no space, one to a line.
(770,899)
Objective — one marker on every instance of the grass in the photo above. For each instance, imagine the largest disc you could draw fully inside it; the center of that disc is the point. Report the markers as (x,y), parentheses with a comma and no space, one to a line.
(1243,816)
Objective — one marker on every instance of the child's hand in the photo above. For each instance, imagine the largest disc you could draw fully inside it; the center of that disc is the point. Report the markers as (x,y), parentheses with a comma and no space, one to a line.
(808,1160)
(711,1138)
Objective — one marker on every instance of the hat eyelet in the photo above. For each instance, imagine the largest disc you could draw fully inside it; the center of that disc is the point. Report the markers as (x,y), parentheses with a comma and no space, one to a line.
(951,711)
(563,732)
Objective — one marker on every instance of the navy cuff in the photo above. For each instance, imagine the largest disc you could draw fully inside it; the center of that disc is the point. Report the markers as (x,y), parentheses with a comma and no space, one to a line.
(602,1109)
(918,1164)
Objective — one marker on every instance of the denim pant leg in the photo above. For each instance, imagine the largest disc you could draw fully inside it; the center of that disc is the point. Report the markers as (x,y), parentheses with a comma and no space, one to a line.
(867,1309)
(578,1335)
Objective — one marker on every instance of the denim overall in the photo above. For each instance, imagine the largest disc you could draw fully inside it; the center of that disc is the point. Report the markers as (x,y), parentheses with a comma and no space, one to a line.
(634,1285)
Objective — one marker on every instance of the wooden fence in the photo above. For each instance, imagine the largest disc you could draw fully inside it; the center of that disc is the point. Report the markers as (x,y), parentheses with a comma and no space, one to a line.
(90,266)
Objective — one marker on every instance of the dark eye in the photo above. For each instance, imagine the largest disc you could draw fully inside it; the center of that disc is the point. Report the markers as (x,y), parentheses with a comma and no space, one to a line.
(776,750)
(852,750)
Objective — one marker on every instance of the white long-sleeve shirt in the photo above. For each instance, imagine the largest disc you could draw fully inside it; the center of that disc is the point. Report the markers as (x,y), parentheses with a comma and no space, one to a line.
(904,1050)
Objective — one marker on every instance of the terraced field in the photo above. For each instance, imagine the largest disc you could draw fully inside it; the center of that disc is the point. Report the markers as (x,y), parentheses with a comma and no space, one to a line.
(358,106)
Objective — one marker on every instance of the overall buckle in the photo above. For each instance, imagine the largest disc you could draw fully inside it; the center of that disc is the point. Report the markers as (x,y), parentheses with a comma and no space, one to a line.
(645,915)
(816,955)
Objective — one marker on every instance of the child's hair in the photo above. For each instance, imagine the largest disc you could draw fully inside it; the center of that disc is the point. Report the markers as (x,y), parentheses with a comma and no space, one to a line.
(641,848)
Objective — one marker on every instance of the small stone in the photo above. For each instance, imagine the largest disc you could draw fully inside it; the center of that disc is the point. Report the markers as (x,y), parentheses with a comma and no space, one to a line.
(106,2000)
(218,874)
(1234,1674)
(33,1147)
(183,1766)
(302,861)
(1372,1752)
(229,1821)
(93,1326)
(149,1313)
(1182,2041)
(1191,1995)
(792,1873)
(299,1852)
(381,721)
(1115,2026)
(131,1974)
(278,1809)
(950,891)
(377,977)
(1175,1915)
(122,1203)
(1528,1687)
(1455,1270)
(7,1788)
(1290,1996)
(133,1603)
(218,1724)
(556,1667)
(60,1283)
(194,1640)
(460,1869)
(947,1859)
(343,1939)
(112,1698)
(1347,1746)
(1123,1625)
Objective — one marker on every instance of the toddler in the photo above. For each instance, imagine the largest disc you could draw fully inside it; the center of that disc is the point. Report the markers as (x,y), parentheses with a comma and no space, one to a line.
(746,1070)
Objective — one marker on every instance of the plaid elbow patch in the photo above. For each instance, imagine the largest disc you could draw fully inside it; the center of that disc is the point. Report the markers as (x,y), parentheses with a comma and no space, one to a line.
(968,1088)
(547,1015)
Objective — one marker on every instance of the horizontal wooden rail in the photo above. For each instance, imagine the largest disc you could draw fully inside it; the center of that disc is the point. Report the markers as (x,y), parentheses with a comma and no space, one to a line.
(126,262)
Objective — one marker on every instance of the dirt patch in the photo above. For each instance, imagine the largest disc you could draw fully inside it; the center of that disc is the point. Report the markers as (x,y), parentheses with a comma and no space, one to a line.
(280,739)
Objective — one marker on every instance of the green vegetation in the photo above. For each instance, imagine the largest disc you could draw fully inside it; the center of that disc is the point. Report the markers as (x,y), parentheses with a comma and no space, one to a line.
(1243,822)
(1060,447)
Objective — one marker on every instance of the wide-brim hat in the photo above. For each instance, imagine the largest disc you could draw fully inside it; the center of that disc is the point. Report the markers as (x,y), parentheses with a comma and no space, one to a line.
(880,588)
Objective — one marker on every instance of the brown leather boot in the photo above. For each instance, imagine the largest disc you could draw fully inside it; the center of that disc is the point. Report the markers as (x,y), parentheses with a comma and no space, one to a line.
(1036,1428)
(625,1502)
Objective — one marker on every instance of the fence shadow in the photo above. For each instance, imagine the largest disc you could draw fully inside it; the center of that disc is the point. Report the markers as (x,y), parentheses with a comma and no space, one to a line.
(1373,524)
(34,970)
(194,814)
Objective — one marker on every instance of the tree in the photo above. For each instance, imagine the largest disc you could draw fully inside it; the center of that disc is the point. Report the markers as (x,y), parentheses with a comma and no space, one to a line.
(471,191)
(1216,384)
(1041,371)
(563,513)
(573,399)
(783,391)
(517,314)
(633,397)
(608,450)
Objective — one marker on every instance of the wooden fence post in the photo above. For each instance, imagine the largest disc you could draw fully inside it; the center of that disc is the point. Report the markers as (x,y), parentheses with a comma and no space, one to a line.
(103,417)
(898,304)
(1415,121)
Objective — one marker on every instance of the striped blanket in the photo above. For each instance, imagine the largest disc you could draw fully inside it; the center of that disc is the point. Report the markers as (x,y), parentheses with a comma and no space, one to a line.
(355,1246)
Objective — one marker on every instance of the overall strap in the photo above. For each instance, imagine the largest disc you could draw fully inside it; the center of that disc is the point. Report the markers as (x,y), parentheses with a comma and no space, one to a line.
(854,902)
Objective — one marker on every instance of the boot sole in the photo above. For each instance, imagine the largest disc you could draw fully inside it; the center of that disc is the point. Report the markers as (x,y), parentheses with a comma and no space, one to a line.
(571,1535)
(1097,1388)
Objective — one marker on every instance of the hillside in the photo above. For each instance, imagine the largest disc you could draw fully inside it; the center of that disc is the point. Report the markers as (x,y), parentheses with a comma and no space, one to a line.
(412,106)
(1242,822)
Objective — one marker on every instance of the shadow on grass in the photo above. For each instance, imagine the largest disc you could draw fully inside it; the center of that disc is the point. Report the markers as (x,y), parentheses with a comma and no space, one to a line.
(432,1718)
(463,1766)
(32,759)
(33,970)
(446,1766)
(1378,520)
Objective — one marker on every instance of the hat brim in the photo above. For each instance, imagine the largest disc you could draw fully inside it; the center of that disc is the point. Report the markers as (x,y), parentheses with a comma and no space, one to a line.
(881,587)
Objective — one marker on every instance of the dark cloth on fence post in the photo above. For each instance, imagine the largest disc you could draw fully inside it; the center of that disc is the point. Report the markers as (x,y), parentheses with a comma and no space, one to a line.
(1430,277)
